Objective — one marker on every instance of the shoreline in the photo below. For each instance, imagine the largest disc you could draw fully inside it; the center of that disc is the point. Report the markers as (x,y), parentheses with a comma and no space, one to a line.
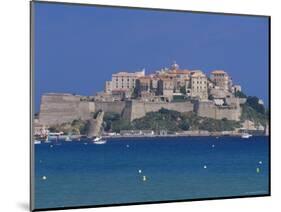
(74,137)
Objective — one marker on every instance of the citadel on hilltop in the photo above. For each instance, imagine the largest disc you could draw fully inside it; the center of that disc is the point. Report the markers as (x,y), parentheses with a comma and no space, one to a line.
(176,89)
(134,94)
(168,84)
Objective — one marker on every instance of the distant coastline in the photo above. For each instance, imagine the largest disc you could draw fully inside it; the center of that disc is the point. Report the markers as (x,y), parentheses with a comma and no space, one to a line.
(77,137)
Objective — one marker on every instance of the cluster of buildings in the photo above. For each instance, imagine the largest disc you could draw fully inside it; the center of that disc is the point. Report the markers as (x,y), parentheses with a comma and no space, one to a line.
(169,84)
(134,94)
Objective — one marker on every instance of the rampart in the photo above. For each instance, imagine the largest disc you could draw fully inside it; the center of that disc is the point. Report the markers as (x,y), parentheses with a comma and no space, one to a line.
(210,110)
(60,108)
(114,107)
(136,109)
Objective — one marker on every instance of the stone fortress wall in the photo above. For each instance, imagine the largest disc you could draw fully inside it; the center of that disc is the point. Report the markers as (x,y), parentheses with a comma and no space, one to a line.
(137,109)
(60,108)
(114,107)
(210,110)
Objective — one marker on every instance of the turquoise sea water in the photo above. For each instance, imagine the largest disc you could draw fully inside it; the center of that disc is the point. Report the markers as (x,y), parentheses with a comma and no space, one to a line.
(175,168)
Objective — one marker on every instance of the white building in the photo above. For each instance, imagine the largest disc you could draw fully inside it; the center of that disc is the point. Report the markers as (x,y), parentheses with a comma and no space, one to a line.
(199,87)
(125,81)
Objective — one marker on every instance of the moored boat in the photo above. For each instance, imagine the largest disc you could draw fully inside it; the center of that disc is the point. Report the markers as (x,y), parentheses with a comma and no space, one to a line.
(37,142)
(68,138)
(99,140)
(246,135)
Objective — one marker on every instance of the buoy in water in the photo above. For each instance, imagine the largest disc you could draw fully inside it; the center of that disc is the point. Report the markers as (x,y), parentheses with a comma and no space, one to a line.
(44,178)
(140,170)
(213,145)
(205,167)
(260,162)
(258,170)
(51,146)
(144,178)
(127,145)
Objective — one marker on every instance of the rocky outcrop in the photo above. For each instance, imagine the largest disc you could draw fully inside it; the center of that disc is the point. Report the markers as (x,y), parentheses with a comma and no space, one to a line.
(95,125)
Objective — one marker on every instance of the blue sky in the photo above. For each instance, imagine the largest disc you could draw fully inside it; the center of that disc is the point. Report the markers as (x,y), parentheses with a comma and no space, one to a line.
(77,48)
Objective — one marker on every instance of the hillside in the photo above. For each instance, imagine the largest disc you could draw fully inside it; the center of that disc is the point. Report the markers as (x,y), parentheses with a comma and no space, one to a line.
(169,120)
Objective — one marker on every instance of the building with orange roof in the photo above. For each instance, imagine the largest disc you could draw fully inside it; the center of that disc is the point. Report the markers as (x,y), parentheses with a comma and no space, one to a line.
(221,79)
(169,81)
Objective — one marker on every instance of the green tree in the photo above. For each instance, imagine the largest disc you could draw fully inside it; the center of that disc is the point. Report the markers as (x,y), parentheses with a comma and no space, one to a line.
(253,102)
(183,90)
(184,125)
(121,124)
(240,94)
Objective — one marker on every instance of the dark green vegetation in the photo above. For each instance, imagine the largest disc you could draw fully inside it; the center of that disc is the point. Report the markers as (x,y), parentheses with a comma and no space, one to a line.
(169,120)
(179,98)
(253,102)
(114,122)
(183,89)
(76,127)
(240,94)
(254,111)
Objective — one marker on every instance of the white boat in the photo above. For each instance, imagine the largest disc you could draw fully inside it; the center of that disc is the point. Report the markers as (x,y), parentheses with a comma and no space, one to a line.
(246,135)
(37,142)
(68,138)
(99,140)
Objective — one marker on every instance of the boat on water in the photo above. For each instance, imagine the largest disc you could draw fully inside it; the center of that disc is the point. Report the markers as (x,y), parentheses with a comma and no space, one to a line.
(68,138)
(246,135)
(99,140)
(37,142)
